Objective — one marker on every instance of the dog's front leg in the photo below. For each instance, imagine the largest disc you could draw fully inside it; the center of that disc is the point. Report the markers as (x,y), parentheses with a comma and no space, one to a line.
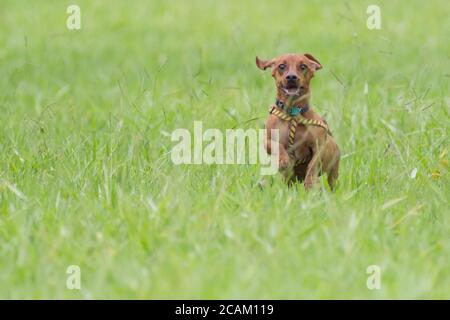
(284,159)
(312,171)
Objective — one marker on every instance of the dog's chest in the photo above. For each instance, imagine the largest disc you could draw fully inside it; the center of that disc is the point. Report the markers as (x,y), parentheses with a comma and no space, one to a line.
(301,134)
(300,148)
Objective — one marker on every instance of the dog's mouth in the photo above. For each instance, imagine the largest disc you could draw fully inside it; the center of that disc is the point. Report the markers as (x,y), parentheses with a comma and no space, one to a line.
(292,89)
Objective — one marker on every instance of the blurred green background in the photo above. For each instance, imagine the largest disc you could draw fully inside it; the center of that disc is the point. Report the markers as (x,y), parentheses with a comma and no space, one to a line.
(86,177)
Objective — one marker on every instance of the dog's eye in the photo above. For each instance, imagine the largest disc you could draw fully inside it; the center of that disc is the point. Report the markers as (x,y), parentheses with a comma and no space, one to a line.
(282,66)
(303,66)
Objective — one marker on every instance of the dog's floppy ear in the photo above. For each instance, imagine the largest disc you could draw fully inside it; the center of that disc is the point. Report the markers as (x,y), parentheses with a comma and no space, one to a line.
(264,64)
(315,64)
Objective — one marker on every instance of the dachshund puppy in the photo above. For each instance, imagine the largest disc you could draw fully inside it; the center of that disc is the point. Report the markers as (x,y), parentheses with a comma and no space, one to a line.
(306,147)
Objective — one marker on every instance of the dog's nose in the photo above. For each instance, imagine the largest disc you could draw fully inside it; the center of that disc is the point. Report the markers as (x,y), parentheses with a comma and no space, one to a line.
(291,77)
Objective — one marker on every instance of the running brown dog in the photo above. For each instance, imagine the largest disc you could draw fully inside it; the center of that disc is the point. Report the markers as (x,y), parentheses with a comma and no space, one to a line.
(306,147)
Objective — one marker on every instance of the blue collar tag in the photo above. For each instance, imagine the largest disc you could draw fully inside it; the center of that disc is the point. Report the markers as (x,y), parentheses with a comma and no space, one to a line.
(294,111)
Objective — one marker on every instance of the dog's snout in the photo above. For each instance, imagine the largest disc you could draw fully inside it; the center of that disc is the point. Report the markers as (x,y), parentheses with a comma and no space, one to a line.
(291,77)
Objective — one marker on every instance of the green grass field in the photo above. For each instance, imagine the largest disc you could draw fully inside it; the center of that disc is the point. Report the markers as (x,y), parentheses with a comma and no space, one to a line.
(86,176)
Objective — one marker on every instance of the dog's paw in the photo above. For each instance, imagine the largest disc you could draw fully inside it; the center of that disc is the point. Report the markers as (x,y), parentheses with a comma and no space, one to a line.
(284,164)
(310,183)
